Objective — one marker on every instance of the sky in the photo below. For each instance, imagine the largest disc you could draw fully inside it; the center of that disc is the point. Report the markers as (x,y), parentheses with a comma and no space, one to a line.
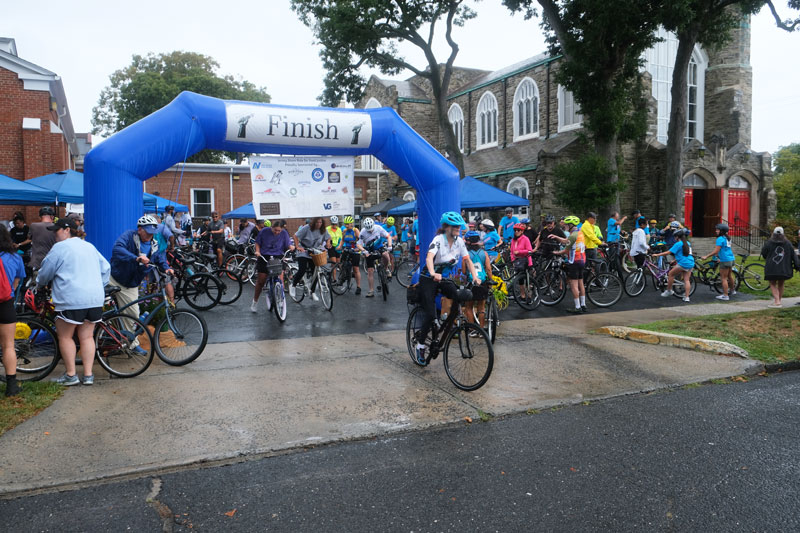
(264,42)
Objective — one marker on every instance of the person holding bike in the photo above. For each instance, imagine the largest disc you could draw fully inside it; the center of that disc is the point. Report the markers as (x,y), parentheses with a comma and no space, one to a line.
(335,250)
(271,243)
(576,261)
(371,238)
(78,273)
(350,236)
(491,239)
(14,272)
(543,241)
(483,266)
(521,253)
(590,237)
(446,250)
(726,259)
(682,251)
(311,236)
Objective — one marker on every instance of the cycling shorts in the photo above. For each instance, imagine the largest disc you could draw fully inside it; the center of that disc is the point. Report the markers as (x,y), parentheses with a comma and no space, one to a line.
(333,253)
(575,270)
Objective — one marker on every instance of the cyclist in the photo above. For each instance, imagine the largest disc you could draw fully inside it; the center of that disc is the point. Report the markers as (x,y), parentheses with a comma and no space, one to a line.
(543,241)
(669,230)
(479,258)
(41,239)
(216,230)
(521,252)
(492,239)
(444,253)
(312,235)
(529,232)
(371,238)
(726,259)
(682,251)
(271,243)
(507,224)
(392,231)
(576,261)
(14,272)
(639,246)
(349,240)
(335,236)
(590,237)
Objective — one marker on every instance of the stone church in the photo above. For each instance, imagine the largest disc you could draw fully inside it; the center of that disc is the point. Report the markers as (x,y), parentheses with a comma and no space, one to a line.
(514,125)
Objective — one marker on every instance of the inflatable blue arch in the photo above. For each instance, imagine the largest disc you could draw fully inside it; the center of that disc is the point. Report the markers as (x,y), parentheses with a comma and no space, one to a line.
(114,170)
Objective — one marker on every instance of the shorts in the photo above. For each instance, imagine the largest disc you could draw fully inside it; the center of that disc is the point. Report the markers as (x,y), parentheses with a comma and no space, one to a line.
(371,260)
(79,316)
(682,269)
(726,264)
(333,253)
(261,264)
(639,260)
(479,292)
(355,258)
(575,270)
(8,315)
(218,245)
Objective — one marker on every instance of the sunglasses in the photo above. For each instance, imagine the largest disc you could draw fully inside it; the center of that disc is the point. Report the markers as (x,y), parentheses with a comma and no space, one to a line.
(517,231)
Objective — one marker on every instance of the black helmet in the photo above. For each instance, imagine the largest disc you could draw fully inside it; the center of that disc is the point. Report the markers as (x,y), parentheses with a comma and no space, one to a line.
(47,210)
(722,227)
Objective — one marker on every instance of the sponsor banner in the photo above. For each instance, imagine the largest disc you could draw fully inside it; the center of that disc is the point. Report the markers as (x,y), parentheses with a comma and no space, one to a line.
(302,186)
(328,128)
(75,208)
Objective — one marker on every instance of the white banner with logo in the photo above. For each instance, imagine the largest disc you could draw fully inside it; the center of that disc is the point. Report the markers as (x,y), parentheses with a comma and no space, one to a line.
(302,186)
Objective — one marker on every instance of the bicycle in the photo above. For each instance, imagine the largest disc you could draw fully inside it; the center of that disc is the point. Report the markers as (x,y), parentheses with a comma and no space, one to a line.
(318,279)
(381,267)
(551,280)
(476,354)
(343,272)
(276,296)
(636,282)
(524,287)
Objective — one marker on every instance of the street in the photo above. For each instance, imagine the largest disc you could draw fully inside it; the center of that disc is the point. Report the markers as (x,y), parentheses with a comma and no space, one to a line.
(714,458)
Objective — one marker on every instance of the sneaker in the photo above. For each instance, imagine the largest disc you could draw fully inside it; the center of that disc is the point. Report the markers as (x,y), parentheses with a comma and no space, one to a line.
(314,296)
(68,381)
(13,390)
(732,293)
(667,293)
(421,354)
(358,291)
(370,294)
(723,297)
(574,310)
(773,305)
(686,299)
(140,351)
(292,291)
(389,275)
(88,380)
(254,306)
(583,309)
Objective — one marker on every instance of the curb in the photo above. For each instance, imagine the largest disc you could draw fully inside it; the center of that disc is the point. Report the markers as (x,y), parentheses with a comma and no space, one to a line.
(676,341)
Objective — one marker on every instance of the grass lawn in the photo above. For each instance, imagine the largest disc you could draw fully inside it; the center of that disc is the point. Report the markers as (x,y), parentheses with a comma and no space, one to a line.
(770,336)
(35,397)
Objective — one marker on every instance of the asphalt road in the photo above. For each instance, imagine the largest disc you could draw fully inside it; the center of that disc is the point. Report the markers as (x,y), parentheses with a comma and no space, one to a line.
(358,314)
(713,458)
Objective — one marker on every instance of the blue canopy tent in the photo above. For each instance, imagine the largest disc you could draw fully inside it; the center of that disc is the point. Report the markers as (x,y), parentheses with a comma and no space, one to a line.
(16,192)
(67,184)
(157,204)
(245,211)
(475,195)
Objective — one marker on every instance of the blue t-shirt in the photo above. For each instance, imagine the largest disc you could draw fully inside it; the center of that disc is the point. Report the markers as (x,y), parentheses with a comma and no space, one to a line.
(415,229)
(684,261)
(725,252)
(145,246)
(478,259)
(612,230)
(507,227)
(15,269)
(490,241)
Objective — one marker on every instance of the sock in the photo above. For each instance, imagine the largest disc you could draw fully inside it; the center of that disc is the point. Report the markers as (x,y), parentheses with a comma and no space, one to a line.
(583,301)
(10,381)
(577,303)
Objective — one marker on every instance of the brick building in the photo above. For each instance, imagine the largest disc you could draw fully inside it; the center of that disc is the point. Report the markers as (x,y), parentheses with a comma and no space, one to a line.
(514,125)
(36,133)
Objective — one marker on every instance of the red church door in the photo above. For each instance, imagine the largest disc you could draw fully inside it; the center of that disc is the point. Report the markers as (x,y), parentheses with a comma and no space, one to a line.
(739,209)
(688,196)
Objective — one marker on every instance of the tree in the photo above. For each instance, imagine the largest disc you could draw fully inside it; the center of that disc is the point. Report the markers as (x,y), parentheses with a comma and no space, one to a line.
(355,33)
(787,182)
(585,183)
(151,82)
(709,23)
(602,43)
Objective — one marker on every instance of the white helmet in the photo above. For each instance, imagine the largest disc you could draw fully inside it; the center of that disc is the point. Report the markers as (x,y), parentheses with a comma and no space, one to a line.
(368,224)
(487,222)
(334,219)
(147,220)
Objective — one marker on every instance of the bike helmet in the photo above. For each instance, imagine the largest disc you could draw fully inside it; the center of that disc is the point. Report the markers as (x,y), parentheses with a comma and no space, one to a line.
(520,226)
(472,237)
(549,218)
(22,331)
(147,220)
(30,301)
(722,227)
(368,224)
(572,220)
(348,219)
(451,218)
(390,221)
(525,221)
(334,219)
(267,223)
(47,210)
(488,223)
(675,224)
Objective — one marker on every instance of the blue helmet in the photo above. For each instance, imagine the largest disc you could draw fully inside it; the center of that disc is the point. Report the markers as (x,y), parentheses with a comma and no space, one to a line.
(451,218)
(472,237)
(525,221)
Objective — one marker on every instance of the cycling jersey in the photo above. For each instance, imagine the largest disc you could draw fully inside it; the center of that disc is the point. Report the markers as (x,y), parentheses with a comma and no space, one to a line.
(335,235)
(446,253)
(371,239)
(478,258)
(577,250)
(349,238)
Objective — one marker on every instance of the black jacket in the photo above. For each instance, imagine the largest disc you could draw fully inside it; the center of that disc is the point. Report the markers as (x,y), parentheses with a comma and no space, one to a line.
(781,259)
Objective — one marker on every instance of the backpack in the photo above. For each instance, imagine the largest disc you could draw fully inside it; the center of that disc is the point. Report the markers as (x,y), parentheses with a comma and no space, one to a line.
(5,286)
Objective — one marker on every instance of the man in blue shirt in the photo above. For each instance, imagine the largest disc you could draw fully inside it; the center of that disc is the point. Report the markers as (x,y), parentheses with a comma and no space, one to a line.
(613,227)
(415,229)
(507,225)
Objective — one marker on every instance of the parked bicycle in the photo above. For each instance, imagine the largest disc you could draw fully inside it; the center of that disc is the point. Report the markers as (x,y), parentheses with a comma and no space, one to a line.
(636,281)
(318,280)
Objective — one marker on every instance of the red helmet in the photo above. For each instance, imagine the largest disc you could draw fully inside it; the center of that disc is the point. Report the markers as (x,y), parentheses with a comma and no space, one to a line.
(30,301)
(522,227)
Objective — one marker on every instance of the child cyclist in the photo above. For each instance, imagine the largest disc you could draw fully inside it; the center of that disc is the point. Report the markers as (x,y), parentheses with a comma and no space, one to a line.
(350,236)
(682,251)
(446,250)
(480,259)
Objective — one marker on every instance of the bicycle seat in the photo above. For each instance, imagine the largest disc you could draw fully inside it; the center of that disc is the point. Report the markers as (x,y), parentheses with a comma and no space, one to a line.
(111,289)
(464,295)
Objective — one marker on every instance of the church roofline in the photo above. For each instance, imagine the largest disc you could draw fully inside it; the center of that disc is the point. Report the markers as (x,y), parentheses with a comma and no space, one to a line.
(507,72)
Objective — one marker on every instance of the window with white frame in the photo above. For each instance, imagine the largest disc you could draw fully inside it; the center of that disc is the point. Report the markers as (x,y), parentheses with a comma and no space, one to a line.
(409,196)
(526,110)
(202,202)
(569,115)
(486,118)
(370,162)
(691,102)
(519,187)
(738,182)
(456,117)
(693,181)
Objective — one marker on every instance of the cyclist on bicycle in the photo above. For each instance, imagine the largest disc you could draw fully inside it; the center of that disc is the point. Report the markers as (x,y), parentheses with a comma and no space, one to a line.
(543,241)
(350,236)
(371,238)
(483,266)
(271,243)
(492,239)
(392,231)
(311,236)
(335,250)
(724,254)
(576,262)
(446,250)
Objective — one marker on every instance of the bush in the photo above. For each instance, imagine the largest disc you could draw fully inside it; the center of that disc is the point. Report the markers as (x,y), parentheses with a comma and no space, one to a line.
(585,184)
(790,227)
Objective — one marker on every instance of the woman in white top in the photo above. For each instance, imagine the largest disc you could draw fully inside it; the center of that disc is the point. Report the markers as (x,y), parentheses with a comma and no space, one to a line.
(639,246)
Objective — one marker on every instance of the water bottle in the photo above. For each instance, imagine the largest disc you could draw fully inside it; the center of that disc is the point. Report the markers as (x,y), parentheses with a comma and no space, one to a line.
(143,316)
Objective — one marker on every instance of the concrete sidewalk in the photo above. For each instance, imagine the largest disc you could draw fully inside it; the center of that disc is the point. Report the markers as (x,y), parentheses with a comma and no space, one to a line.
(253,398)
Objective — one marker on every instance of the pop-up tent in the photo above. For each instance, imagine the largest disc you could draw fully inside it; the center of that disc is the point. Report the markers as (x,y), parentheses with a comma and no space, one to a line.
(115,169)
(245,211)
(383,207)
(16,192)
(67,184)
(475,195)
(157,204)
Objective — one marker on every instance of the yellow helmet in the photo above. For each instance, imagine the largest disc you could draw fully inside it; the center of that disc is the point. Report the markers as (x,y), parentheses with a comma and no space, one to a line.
(390,221)
(348,219)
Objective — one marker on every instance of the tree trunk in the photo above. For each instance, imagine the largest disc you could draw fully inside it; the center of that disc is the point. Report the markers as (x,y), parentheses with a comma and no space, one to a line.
(607,148)
(673,195)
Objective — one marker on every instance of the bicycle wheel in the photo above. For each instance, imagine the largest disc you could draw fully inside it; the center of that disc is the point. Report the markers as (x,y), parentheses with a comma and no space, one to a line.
(250,274)
(236,263)
(526,294)
(627,263)
(679,289)
(180,337)
(36,345)
(405,271)
(202,291)
(635,283)
(471,366)
(414,323)
(324,290)
(384,282)
(231,285)
(604,290)
(300,291)
(753,277)
(552,285)
(123,345)
(492,318)
(343,273)
(279,301)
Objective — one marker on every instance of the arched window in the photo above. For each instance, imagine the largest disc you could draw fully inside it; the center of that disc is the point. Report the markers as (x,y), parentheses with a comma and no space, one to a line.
(738,182)
(456,117)
(691,109)
(409,196)
(693,181)
(569,116)
(487,121)
(370,162)
(526,110)
(519,187)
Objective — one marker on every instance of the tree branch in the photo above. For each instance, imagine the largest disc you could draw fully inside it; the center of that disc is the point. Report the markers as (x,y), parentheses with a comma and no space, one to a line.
(780,23)
(550,11)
